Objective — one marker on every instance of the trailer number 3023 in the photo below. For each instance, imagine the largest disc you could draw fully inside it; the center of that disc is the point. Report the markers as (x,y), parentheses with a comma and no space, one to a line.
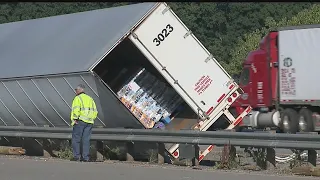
(163,35)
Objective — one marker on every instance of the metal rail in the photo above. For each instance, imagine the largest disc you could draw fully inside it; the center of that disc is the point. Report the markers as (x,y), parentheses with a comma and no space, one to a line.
(246,139)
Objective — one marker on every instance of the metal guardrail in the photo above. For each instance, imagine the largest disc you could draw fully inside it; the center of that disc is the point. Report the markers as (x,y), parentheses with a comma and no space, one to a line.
(265,140)
(249,139)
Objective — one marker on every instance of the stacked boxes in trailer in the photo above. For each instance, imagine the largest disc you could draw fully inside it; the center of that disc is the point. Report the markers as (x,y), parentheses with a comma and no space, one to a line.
(279,81)
(189,69)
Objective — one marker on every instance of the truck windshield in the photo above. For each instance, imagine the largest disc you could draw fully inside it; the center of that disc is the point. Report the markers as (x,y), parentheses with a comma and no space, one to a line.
(244,77)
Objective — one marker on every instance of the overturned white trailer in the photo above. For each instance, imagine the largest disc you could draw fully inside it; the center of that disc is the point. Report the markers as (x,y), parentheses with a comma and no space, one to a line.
(43,60)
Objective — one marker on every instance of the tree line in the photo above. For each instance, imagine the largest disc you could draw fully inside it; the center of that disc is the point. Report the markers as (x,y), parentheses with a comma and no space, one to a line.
(228,30)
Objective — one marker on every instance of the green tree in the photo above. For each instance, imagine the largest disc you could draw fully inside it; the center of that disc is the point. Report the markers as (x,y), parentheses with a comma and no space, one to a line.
(251,40)
(242,18)
(219,25)
(10,12)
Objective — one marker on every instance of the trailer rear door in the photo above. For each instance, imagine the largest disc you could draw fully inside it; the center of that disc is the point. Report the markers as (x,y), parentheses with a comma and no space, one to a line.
(182,60)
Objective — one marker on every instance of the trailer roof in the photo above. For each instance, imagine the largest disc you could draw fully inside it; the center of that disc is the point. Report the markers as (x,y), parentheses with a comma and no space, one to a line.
(305,26)
(65,43)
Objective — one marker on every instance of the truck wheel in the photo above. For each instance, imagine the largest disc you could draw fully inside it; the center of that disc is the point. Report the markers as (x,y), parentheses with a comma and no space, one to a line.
(305,120)
(289,121)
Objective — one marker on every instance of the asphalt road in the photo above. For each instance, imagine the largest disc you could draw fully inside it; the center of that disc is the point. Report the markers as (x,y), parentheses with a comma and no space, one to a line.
(32,169)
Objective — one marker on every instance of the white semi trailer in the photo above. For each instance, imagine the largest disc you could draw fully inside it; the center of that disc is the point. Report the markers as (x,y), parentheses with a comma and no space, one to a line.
(44,59)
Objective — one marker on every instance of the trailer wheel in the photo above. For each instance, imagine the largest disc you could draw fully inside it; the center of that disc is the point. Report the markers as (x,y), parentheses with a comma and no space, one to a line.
(305,120)
(289,121)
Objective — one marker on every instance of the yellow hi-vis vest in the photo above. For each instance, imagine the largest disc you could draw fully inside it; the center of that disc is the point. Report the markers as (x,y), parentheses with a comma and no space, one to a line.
(84,109)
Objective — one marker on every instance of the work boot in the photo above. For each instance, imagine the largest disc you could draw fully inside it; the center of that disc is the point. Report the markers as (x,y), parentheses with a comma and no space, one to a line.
(75,159)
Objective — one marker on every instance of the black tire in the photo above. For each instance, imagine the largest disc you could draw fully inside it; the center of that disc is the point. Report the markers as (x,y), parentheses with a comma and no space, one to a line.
(289,121)
(308,120)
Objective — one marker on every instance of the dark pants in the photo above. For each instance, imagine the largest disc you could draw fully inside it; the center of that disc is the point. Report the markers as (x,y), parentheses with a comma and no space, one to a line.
(82,131)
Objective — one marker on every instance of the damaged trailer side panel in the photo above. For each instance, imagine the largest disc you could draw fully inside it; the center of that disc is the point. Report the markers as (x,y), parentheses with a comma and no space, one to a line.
(46,101)
(43,60)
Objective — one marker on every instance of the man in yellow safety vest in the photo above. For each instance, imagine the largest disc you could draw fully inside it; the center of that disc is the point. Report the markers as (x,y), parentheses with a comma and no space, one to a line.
(83,114)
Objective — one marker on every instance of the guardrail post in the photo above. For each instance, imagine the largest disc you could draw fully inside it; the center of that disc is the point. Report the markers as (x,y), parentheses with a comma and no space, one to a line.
(312,154)
(32,147)
(312,157)
(271,158)
(130,151)
(161,151)
(47,148)
(96,150)
(195,160)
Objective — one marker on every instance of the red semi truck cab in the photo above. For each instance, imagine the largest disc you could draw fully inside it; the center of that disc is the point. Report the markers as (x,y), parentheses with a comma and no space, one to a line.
(266,91)
(258,80)
(259,74)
